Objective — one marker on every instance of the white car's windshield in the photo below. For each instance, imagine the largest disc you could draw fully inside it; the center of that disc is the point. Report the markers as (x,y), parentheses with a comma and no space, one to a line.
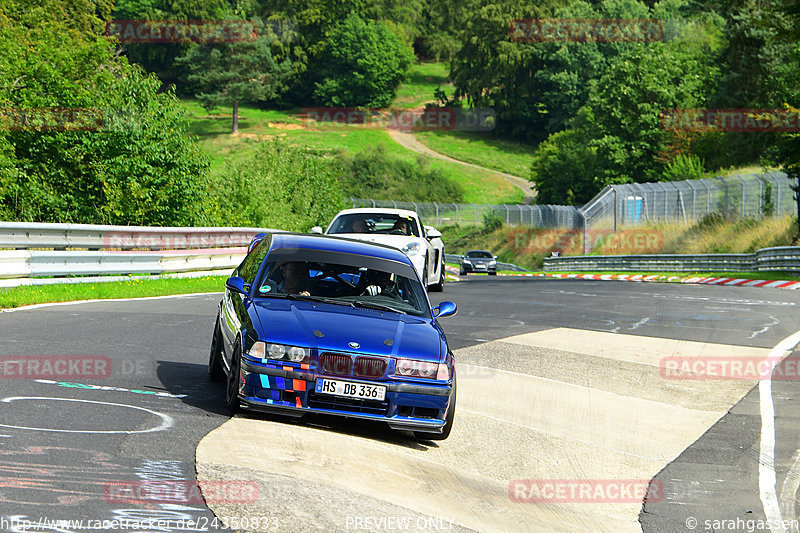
(380,223)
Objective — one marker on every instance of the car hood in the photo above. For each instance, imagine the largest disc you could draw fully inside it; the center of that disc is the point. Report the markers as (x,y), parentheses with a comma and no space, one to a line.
(395,241)
(378,333)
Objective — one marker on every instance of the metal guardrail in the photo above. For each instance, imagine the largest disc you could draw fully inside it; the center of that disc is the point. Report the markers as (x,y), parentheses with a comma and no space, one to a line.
(27,235)
(47,253)
(16,266)
(783,258)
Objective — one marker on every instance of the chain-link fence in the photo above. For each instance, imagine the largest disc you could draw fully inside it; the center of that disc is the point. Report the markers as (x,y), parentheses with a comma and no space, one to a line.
(736,196)
(444,214)
(630,204)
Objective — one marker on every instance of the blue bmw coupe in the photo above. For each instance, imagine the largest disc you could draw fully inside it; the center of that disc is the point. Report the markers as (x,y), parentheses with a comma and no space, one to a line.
(318,324)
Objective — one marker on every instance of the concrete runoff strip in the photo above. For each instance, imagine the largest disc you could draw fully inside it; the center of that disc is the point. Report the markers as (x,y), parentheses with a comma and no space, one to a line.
(508,426)
(630,348)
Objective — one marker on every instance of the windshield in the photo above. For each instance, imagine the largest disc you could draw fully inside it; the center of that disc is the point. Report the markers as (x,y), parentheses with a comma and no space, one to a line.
(374,223)
(341,284)
(480,255)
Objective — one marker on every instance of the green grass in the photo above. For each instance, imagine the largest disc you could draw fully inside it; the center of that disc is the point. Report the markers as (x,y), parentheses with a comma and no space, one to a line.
(480,148)
(256,125)
(422,82)
(133,288)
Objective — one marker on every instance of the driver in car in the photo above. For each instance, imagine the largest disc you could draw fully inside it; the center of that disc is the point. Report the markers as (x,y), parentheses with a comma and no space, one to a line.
(295,279)
(402,226)
(374,282)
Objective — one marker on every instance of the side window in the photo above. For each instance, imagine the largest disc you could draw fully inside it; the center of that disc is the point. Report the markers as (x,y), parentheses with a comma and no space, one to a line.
(249,267)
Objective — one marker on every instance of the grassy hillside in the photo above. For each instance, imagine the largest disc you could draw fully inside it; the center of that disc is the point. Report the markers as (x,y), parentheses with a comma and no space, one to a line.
(527,247)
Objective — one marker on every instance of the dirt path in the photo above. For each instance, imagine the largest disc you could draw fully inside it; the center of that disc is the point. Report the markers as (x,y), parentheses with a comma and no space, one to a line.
(408,140)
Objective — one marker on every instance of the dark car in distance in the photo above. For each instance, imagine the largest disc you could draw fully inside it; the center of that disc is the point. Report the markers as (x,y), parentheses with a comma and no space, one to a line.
(478,261)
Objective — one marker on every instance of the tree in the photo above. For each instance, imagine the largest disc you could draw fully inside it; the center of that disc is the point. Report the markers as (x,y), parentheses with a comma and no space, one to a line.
(134,166)
(362,64)
(238,72)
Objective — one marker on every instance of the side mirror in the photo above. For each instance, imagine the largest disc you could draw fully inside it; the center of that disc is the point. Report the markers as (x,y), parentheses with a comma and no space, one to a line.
(237,284)
(317,230)
(432,233)
(495,258)
(444,309)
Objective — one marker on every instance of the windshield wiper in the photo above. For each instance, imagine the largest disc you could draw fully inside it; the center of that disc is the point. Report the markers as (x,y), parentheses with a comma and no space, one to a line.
(379,307)
(320,299)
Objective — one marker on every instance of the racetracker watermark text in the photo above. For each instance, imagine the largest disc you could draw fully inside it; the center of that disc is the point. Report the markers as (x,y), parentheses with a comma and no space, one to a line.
(432,118)
(182,31)
(586,30)
(585,491)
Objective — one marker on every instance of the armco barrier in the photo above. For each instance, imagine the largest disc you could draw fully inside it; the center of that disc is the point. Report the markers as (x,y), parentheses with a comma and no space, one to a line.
(783,258)
(27,235)
(31,263)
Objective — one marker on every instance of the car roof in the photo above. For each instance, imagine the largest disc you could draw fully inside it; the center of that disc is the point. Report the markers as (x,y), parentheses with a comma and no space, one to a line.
(387,211)
(306,241)
(482,251)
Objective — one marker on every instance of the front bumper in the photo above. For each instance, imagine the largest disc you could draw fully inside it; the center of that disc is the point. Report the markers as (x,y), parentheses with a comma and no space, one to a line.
(290,391)
(475,269)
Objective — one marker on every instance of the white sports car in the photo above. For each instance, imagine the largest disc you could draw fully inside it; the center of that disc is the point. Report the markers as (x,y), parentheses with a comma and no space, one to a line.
(400,229)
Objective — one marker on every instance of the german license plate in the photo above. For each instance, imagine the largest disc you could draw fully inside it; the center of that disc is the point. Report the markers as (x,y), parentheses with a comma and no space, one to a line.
(348,389)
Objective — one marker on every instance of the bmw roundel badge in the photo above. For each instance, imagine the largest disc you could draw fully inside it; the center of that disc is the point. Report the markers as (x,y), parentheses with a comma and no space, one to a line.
(354,345)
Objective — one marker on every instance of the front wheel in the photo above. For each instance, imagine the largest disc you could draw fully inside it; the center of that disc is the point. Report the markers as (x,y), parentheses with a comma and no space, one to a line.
(232,388)
(215,371)
(448,417)
(439,287)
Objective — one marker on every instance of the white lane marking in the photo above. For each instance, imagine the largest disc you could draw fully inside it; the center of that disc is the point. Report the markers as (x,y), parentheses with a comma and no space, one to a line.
(166,420)
(766,462)
(642,322)
(54,304)
(789,490)
(766,327)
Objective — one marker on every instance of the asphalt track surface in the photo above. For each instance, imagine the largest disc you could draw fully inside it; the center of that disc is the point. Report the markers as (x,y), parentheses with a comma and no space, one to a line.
(558,383)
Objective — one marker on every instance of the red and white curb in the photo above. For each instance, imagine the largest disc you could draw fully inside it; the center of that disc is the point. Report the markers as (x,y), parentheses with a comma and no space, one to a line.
(772,284)
(728,282)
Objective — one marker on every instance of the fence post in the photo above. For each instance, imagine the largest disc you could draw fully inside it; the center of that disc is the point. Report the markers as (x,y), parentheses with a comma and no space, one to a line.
(725,183)
(476,213)
(760,195)
(373,202)
(437,212)
(456,213)
(508,214)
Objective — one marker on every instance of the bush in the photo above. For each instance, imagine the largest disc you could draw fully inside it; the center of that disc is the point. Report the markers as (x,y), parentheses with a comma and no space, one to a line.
(362,64)
(375,174)
(280,186)
(492,222)
(685,167)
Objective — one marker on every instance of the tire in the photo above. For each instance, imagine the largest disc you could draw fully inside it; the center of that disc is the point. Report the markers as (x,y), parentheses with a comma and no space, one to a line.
(492,273)
(439,287)
(215,370)
(462,272)
(448,425)
(232,384)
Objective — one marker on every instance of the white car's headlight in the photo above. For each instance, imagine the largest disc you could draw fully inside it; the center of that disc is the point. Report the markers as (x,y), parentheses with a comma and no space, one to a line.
(411,248)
